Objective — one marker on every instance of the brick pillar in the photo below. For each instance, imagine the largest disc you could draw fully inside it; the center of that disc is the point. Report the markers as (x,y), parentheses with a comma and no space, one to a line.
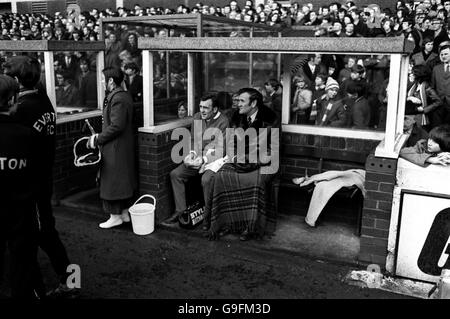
(380,181)
(155,164)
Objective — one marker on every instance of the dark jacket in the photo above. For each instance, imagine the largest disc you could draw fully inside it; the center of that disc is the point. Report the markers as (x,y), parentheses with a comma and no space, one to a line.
(360,114)
(265,118)
(135,88)
(440,81)
(73,67)
(18,153)
(67,96)
(416,135)
(311,76)
(431,103)
(276,101)
(35,111)
(335,115)
(112,52)
(88,95)
(118,178)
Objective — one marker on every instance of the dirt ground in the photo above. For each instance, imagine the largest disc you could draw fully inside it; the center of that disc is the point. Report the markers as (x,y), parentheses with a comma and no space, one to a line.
(170,264)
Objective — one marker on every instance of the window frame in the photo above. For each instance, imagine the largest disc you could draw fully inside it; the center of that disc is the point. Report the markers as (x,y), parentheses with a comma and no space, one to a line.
(398,48)
(48,47)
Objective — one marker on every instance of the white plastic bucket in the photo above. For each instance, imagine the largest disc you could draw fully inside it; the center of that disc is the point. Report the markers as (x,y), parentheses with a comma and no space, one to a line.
(143,216)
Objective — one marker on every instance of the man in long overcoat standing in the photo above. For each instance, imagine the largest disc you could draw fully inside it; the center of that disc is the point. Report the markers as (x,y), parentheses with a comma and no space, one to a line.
(118,180)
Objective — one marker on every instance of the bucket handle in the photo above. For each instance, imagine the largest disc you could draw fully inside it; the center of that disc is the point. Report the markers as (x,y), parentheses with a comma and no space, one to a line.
(143,196)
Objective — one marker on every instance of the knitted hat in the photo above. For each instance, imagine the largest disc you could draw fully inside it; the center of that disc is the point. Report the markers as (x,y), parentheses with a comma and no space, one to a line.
(331,84)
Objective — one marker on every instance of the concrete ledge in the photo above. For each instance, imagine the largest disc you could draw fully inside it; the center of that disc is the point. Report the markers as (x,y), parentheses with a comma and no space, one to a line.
(394,45)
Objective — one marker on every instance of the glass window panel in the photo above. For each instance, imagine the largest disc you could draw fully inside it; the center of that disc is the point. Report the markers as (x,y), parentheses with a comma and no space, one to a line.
(264,67)
(170,86)
(358,98)
(75,81)
(227,71)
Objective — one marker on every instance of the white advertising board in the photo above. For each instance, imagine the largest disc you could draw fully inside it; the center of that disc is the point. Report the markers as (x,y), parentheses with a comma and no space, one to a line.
(424,236)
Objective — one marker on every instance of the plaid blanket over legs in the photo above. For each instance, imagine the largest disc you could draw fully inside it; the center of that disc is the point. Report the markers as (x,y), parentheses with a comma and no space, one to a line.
(242,201)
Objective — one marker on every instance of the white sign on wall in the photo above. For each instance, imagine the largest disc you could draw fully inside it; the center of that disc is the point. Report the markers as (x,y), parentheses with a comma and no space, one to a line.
(424,237)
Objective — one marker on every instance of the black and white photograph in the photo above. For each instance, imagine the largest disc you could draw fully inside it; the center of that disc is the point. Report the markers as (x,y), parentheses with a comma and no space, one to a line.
(224,158)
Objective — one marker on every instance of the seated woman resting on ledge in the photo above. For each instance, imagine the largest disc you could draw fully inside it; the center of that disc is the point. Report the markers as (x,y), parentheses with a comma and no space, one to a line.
(435,150)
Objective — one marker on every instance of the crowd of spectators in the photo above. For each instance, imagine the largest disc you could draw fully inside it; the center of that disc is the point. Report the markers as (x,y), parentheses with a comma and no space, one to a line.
(335,19)
(425,24)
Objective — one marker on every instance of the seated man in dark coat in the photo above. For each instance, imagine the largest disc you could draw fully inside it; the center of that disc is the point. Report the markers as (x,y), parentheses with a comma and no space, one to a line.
(242,201)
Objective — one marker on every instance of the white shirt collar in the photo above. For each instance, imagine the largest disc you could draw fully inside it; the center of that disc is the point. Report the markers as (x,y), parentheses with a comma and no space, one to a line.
(253,116)
(215,116)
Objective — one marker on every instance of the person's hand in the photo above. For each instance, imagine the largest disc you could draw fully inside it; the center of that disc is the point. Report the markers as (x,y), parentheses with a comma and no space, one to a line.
(188,160)
(298,180)
(420,109)
(438,160)
(414,100)
(421,145)
(197,162)
(307,181)
(92,142)
(445,156)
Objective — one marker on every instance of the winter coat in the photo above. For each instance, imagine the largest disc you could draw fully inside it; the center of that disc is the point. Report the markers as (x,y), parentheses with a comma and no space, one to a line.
(118,178)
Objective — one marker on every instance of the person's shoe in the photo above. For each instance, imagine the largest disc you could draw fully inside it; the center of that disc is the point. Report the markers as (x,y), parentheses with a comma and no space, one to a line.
(125,216)
(113,221)
(63,292)
(171,220)
(245,235)
(313,225)
(224,232)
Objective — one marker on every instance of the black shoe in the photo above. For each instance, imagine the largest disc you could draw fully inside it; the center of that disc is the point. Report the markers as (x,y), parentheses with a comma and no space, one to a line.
(171,220)
(224,232)
(63,292)
(245,235)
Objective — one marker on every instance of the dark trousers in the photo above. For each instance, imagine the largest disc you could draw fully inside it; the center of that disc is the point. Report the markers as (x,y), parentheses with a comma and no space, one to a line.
(179,176)
(18,234)
(49,240)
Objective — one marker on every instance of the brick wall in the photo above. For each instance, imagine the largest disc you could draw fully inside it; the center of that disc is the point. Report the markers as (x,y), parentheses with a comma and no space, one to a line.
(380,181)
(155,165)
(67,178)
(300,152)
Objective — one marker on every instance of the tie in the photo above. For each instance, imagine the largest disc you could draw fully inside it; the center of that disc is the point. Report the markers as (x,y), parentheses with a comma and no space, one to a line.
(249,121)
